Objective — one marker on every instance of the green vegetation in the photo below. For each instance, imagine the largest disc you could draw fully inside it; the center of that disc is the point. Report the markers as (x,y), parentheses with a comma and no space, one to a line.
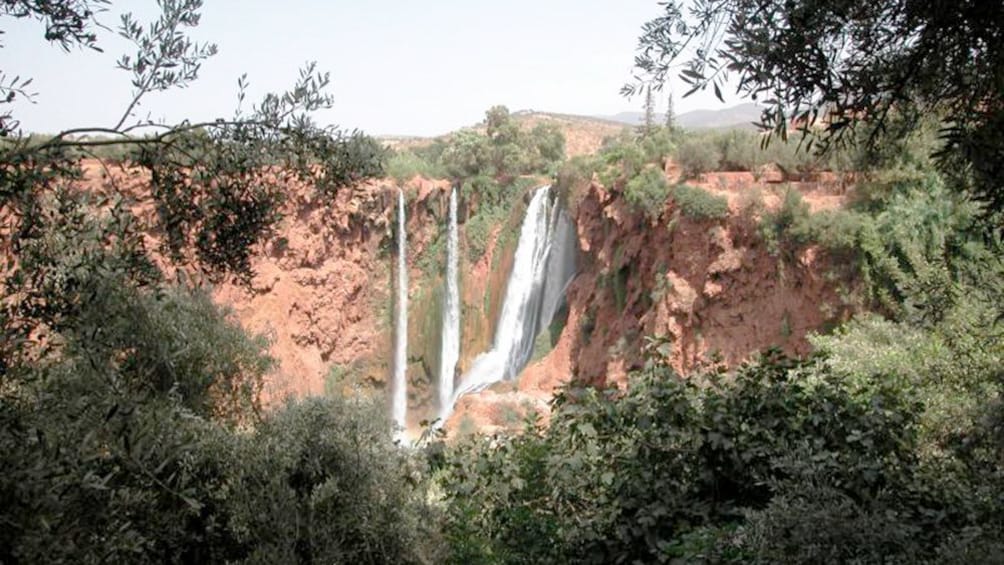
(402,166)
(631,162)
(884,446)
(832,72)
(904,231)
(504,151)
(742,150)
(547,339)
(859,453)
(700,204)
(490,168)
(697,156)
(130,420)
(130,427)
(500,208)
(648,192)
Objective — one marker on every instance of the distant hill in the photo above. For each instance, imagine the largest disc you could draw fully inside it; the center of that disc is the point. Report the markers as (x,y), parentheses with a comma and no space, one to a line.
(743,115)
(585,134)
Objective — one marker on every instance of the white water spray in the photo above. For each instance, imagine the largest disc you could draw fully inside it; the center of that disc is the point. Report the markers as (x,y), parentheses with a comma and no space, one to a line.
(531,297)
(560,265)
(399,400)
(450,346)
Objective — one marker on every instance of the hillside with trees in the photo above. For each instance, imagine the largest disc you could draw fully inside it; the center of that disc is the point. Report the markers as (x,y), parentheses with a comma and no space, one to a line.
(133,425)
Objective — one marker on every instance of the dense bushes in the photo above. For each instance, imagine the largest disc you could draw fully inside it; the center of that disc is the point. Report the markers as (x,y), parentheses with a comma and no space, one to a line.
(404,165)
(99,470)
(696,157)
(886,446)
(130,431)
(742,150)
(321,481)
(700,204)
(505,150)
(915,232)
(647,192)
(630,162)
(784,461)
(498,209)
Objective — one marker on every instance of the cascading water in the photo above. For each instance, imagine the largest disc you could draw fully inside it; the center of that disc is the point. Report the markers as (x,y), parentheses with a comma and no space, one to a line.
(542,268)
(399,400)
(560,265)
(450,347)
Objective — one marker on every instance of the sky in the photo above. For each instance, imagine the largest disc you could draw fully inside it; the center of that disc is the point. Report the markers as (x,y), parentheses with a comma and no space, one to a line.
(398,67)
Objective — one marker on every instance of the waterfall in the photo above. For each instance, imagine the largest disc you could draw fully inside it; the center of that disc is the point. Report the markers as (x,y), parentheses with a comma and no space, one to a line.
(450,347)
(531,296)
(399,400)
(560,265)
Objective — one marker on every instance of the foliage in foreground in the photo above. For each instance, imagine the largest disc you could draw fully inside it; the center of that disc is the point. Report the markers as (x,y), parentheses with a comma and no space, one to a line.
(123,450)
(130,430)
(860,454)
(836,68)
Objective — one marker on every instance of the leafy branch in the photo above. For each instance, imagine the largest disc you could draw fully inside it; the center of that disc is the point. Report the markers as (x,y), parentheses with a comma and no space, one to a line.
(165,57)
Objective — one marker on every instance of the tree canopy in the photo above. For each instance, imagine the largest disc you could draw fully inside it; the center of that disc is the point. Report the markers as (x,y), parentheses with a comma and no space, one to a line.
(130,428)
(827,66)
(217,187)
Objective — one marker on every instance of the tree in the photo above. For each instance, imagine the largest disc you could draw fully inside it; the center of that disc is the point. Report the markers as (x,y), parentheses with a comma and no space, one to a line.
(826,66)
(649,111)
(121,392)
(217,187)
(505,150)
(549,145)
(69,23)
(670,115)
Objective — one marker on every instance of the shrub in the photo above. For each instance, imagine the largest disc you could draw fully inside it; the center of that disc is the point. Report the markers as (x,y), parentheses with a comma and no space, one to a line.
(549,147)
(127,478)
(846,457)
(699,204)
(573,180)
(404,165)
(697,156)
(647,192)
(321,481)
(740,150)
(495,205)
(621,159)
(837,231)
(785,228)
(505,150)
(793,160)
(657,145)
(664,468)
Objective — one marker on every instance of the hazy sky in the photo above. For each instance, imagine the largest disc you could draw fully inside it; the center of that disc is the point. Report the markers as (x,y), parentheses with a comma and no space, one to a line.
(397,66)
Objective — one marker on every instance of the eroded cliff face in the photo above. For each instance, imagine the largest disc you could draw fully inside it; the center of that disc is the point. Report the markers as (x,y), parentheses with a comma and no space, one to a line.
(322,292)
(322,289)
(710,287)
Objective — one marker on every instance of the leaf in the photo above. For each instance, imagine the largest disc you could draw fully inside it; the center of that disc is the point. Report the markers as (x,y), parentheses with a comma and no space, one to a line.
(692,74)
